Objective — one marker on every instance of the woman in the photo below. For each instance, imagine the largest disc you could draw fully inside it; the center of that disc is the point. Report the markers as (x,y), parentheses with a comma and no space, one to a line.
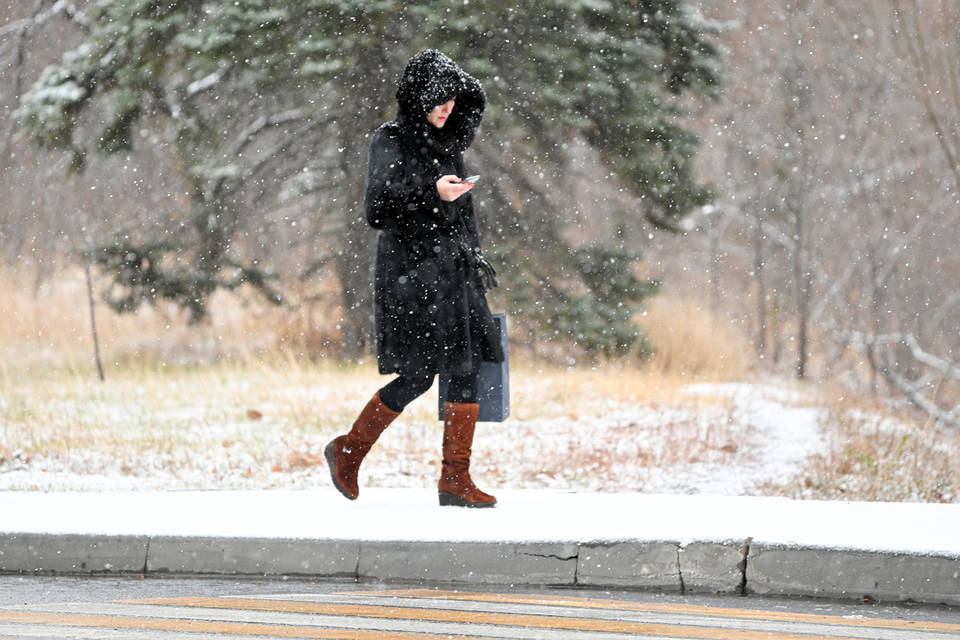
(430,311)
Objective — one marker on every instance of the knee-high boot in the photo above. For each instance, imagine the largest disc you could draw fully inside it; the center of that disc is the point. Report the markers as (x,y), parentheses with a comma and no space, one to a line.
(345,453)
(455,486)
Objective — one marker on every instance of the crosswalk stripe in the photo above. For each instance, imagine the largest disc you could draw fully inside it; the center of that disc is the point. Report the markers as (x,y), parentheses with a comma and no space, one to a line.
(609,613)
(431,614)
(47,632)
(236,628)
(724,612)
(324,621)
(471,617)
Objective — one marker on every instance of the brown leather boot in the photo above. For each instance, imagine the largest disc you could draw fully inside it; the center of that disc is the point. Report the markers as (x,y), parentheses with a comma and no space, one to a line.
(345,453)
(455,486)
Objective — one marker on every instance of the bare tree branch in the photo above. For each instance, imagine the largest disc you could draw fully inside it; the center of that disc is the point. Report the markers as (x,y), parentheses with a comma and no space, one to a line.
(918,51)
(948,369)
(215,189)
(952,70)
(947,307)
(912,389)
(284,145)
(838,284)
(246,136)
(948,418)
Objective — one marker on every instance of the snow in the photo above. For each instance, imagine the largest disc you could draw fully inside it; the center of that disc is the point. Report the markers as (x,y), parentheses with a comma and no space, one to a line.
(521,515)
(759,440)
(574,478)
(763,434)
(781,437)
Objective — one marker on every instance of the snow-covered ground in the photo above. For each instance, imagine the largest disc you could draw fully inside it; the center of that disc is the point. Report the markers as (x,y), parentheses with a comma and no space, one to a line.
(728,439)
(778,438)
(537,515)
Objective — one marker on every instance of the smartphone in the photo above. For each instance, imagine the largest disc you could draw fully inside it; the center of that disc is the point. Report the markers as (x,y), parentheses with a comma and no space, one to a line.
(472,179)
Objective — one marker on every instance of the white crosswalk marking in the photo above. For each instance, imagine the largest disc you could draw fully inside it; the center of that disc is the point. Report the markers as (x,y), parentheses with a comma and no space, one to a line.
(421,614)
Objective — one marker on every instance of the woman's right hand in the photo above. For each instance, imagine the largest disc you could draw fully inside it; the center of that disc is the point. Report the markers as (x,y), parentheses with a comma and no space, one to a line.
(451,187)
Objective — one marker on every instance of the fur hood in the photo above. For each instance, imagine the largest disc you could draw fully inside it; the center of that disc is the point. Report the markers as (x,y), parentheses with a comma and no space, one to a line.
(430,79)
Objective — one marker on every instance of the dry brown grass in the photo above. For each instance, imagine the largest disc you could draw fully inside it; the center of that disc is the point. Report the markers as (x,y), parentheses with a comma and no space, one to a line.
(48,325)
(241,398)
(690,341)
(876,452)
(679,442)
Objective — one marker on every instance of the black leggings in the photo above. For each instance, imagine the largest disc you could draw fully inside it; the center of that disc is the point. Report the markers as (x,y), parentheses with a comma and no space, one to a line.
(404,389)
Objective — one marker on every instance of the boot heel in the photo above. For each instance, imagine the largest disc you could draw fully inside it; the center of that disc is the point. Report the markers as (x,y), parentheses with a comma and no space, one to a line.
(450,500)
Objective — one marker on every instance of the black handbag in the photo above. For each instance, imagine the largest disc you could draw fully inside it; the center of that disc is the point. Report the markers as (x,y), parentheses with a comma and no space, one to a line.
(493,382)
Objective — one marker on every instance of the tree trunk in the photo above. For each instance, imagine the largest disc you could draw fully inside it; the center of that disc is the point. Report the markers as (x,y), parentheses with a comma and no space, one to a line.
(362,112)
(761,340)
(715,267)
(354,264)
(801,274)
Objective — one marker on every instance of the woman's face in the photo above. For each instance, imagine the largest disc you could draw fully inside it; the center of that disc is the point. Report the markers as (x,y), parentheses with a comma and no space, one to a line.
(438,116)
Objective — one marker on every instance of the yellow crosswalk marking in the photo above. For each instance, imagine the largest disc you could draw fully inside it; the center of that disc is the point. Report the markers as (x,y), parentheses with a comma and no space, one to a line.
(659,607)
(203,626)
(475,617)
(356,615)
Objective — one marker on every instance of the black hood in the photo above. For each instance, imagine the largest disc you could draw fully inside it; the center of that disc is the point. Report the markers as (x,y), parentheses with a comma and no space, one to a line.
(430,79)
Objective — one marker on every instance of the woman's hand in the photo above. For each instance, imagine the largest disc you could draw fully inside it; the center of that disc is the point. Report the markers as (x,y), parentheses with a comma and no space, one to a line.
(451,187)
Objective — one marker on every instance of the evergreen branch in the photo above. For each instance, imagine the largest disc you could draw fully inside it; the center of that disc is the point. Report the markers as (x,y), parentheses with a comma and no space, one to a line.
(253,276)
(315,266)
(23,26)
(525,183)
(664,223)
(247,135)
(18,55)
(292,170)
(285,145)
(218,189)
(207,82)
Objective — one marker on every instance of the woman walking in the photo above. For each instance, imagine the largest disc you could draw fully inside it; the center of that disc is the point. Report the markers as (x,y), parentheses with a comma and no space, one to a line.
(429,306)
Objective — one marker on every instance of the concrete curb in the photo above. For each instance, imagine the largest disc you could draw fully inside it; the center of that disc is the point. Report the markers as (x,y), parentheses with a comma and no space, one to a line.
(733,567)
(845,574)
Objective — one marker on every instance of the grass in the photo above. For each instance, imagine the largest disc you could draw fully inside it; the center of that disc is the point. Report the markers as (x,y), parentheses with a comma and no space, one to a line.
(877,453)
(251,425)
(250,397)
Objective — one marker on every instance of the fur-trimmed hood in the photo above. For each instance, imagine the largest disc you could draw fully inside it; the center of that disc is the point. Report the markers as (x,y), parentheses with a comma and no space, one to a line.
(430,79)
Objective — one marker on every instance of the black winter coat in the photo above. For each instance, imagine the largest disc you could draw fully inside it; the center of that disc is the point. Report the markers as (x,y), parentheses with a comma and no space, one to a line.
(430,314)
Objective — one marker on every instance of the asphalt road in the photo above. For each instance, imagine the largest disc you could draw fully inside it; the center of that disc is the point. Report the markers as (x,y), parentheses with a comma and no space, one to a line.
(199,609)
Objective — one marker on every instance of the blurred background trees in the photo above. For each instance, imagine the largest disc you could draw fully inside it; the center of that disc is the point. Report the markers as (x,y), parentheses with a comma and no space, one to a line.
(264,109)
(223,145)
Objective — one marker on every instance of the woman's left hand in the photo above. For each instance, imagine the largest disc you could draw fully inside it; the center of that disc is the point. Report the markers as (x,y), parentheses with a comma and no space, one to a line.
(451,187)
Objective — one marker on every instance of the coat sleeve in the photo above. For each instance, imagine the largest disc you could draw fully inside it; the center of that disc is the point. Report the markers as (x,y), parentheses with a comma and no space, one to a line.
(393,196)
(470,221)
(467,211)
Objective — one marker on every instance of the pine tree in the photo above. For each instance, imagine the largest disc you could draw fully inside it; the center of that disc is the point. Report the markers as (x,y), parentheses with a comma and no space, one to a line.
(257,99)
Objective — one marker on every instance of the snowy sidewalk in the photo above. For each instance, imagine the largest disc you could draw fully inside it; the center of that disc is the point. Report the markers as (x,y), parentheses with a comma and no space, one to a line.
(888,551)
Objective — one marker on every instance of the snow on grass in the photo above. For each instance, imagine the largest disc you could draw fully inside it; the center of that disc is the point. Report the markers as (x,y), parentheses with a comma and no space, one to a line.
(870,455)
(613,430)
